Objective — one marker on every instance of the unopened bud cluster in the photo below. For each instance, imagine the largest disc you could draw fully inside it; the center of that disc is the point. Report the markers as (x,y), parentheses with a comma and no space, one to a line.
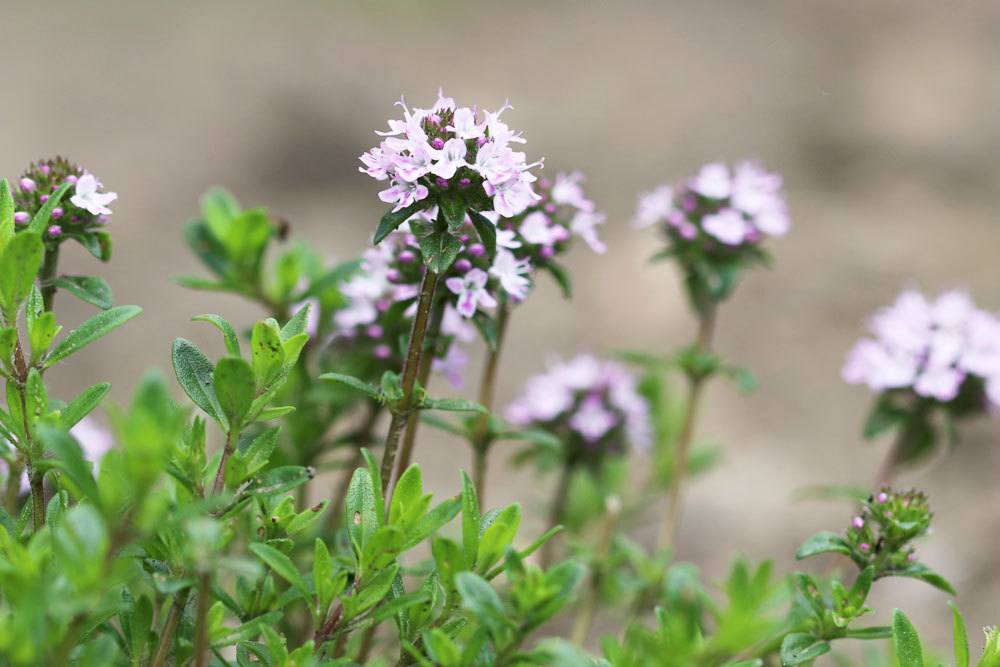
(880,534)
(83,208)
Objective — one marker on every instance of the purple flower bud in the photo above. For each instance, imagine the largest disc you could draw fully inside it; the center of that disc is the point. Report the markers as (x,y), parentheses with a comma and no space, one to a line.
(675,219)
(547,252)
(465,181)
(57,213)
(21,217)
(481,141)
(477,250)
(437,142)
(102,219)
(382,352)
(43,198)
(45,169)
(882,497)
(54,230)
(441,182)
(383,305)
(858,522)
(463,264)
(864,547)
(544,183)
(71,179)
(374,331)
(27,185)
(435,120)
(392,275)
(406,256)
(464,238)
(560,233)
(551,208)
(687,231)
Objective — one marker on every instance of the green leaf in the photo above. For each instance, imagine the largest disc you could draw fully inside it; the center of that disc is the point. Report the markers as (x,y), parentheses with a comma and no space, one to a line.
(6,214)
(876,632)
(281,565)
(825,542)
(906,641)
(228,333)
(19,266)
(430,522)
(94,328)
(70,459)
(297,324)
(92,289)
(487,233)
(926,575)
(42,330)
(470,521)
(359,505)
(372,592)
(275,412)
(234,387)
(453,210)
(393,219)
(83,405)
(453,405)
(40,222)
(267,351)
(355,383)
(561,277)
(480,598)
(961,636)
(487,328)
(195,374)
(800,647)
(219,208)
(409,490)
(497,537)
(439,249)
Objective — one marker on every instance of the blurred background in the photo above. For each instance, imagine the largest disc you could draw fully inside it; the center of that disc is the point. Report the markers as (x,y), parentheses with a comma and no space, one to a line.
(882,116)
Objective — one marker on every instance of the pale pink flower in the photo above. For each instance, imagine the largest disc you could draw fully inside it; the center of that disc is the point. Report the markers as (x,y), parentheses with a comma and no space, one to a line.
(450,158)
(654,207)
(403,194)
(584,225)
(511,272)
(592,420)
(452,365)
(567,191)
(464,124)
(713,181)
(471,291)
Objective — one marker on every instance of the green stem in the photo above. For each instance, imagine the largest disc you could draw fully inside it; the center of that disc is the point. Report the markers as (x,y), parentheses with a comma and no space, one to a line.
(483,439)
(37,497)
(423,376)
(899,450)
(227,450)
(585,617)
(557,509)
(166,643)
(411,366)
(201,651)
(696,383)
(13,490)
(47,277)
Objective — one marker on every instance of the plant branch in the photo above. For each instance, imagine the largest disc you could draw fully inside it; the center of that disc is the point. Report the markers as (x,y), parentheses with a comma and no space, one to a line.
(696,383)
(557,509)
(482,438)
(227,450)
(411,367)
(166,642)
(47,277)
(201,621)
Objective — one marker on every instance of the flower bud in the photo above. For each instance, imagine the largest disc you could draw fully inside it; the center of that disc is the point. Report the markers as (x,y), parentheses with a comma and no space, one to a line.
(27,185)
(21,217)
(54,231)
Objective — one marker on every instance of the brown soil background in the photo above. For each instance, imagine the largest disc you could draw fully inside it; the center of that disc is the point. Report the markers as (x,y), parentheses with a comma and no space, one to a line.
(881,115)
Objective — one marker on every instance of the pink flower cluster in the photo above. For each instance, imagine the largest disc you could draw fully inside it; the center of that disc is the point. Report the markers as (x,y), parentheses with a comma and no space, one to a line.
(932,347)
(84,207)
(381,300)
(593,398)
(732,207)
(432,150)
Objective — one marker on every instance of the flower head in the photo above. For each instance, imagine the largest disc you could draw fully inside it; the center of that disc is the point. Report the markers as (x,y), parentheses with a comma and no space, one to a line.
(938,350)
(424,152)
(592,401)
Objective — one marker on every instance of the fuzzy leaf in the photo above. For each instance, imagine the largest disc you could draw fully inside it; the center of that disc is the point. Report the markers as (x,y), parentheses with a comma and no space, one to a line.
(452,405)
(825,542)
(961,636)
(40,222)
(487,233)
(393,219)
(800,647)
(234,387)
(195,375)
(19,266)
(96,327)
(6,213)
(92,289)
(906,641)
(83,405)
(281,565)
(355,383)
(228,333)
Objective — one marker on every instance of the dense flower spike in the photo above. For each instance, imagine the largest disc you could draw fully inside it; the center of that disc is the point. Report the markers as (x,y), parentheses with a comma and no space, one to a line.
(447,147)
(593,401)
(84,207)
(938,349)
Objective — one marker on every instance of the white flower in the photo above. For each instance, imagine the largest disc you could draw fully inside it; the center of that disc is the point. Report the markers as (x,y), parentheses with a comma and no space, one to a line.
(536,230)
(453,324)
(511,272)
(463,124)
(507,238)
(87,197)
(727,225)
(654,207)
(584,225)
(567,190)
(713,181)
(452,365)
(450,158)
